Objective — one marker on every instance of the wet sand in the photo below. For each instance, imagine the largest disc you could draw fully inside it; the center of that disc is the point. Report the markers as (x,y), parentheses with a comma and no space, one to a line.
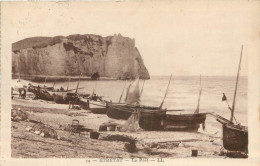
(150,144)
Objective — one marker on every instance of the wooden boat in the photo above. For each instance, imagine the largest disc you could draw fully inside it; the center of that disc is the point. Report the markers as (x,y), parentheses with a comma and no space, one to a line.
(65,97)
(235,136)
(149,118)
(181,122)
(97,107)
(152,119)
(118,111)
(184,122)
(124,111)
(39,93)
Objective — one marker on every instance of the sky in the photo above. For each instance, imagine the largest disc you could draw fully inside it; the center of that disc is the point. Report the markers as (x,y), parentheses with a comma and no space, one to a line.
(173,37)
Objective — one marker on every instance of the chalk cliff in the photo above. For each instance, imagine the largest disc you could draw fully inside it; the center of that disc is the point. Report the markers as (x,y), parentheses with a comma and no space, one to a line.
(113,56)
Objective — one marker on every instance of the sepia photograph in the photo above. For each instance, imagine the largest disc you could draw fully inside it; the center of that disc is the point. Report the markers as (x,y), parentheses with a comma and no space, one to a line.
(128,81)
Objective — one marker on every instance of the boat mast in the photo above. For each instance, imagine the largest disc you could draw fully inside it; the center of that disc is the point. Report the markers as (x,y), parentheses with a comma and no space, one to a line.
(165,93)
(54,83)
(68,84)
(94,89)
(122,93)
(45,81)
(234,99)
(19,67)
(127,91)
(198,106)
(78,84)
(142,89)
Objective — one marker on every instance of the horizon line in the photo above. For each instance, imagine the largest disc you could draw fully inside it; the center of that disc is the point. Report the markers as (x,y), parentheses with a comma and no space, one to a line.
(199,75)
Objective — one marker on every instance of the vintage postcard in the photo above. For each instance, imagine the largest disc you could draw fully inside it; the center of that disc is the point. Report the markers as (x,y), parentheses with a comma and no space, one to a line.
(130,82)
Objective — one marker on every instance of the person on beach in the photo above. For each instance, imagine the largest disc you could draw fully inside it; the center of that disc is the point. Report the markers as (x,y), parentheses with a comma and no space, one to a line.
(12,92)
(23,93)
(20,92)
(38,92)
(96,98)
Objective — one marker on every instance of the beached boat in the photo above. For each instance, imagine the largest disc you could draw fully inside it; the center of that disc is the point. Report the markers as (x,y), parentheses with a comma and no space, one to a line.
(184,122)
(118,110)
(124,111)
(40,93)
(174,122)
(152,119)
(97,107)
(149,117)
(235,136)
(131,105)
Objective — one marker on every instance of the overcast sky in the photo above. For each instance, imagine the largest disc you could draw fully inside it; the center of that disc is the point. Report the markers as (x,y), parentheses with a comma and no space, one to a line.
(179,37)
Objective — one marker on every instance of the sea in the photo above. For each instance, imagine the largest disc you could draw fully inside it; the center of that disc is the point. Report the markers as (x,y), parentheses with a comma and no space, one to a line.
(183,94)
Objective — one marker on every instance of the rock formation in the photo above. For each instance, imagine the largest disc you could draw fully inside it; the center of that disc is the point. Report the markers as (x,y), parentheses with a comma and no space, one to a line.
(113,56)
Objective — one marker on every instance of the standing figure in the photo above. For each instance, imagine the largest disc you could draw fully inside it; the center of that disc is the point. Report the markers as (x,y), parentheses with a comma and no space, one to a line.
(23,95)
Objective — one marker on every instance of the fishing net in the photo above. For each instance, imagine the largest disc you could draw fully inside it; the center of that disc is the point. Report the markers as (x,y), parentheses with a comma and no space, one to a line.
(18,115)
(44,131)
(132,124)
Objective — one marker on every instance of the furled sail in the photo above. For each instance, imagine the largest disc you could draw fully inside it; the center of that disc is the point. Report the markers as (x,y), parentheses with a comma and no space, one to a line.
(133,93)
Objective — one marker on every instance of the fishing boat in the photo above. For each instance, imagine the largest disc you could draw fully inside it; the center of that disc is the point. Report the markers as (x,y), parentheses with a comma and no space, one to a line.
(97,107)
(149,118)
(95,103)
(186,122)
(119,110)
(131,105)
(235,135)
(40,93)
(68,97)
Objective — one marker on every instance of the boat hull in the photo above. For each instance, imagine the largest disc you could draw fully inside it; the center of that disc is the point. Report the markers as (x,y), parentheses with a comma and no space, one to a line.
(235,139)
(151,120)
(185,122)
(97,107)
(118,111)
(124,111)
